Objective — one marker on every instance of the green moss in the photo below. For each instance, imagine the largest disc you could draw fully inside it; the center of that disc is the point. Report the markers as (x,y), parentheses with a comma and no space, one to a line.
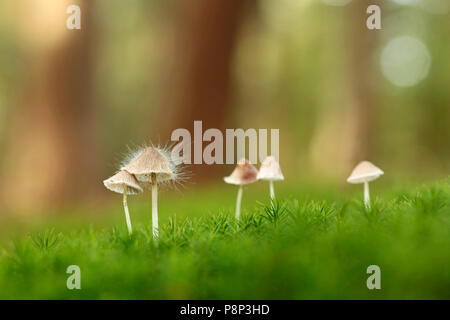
(295,249)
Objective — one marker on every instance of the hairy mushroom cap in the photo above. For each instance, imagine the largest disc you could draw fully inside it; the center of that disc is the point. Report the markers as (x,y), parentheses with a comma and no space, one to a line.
(121,179)
(270,170)
(151,160)
(365,171)
(244,173)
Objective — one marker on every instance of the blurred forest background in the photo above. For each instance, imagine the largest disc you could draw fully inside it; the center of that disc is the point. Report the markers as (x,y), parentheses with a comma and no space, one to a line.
(71,101)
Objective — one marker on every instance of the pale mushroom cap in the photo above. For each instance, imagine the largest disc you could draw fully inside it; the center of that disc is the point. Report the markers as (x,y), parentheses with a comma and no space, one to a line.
(244,173)
(270,170)
(365,171)
(150,161)
(121,179)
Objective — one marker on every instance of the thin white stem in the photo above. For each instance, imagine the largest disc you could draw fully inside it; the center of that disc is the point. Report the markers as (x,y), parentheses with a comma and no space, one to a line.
(272,191)
(238,203)
(155,207)
(127,213)
(366,195)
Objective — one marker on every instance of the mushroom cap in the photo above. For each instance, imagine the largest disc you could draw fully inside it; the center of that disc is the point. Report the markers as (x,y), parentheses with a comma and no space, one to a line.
(121,179)
(151,160)
(365,171)
(244,173)
(270,170)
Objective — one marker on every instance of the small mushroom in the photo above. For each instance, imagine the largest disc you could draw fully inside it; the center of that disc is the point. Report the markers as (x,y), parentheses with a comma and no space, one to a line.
(244,173)
(124,183)
(365,172)
(270,171)
(152,166)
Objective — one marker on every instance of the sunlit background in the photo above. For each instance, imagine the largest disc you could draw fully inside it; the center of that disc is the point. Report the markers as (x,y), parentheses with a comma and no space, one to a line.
(72,102)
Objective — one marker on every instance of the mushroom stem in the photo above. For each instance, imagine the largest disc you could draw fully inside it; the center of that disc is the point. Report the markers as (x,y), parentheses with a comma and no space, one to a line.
(155,207)
(127,213)
(238,203)
(366,195)
(272,191)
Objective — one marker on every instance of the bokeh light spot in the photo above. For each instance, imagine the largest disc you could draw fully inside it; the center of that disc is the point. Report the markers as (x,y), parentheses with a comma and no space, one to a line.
(405,61)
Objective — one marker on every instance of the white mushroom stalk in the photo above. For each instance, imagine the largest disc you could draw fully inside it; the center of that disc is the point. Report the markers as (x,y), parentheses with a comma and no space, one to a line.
(243,174)
(365,172)
(127,213)
(125,183)
(238,203)
(155,226)
(272,190)
(366,194)
(270,171)
(153,166)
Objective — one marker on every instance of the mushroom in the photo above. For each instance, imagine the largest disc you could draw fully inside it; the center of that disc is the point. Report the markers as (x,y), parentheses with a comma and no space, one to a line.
(365,172)
(152,166)
(124,183)
(270,171)
(244,173)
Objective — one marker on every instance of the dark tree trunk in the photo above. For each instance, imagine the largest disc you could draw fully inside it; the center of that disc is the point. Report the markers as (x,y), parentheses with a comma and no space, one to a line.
(52,154)
(199,89)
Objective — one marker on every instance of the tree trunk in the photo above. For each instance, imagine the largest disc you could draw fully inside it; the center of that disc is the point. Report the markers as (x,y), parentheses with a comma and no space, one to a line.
(199,89)
(52,155)
(343,134)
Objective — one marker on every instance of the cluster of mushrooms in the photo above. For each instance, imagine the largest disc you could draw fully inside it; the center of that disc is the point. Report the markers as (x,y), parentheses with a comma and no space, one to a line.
(245,173)
(145,170)
(152,166)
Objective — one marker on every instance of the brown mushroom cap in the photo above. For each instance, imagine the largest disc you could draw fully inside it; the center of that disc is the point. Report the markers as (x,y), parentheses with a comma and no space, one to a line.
(150,161)
(270,170)
(365,171)
(121,179)
(244,173)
